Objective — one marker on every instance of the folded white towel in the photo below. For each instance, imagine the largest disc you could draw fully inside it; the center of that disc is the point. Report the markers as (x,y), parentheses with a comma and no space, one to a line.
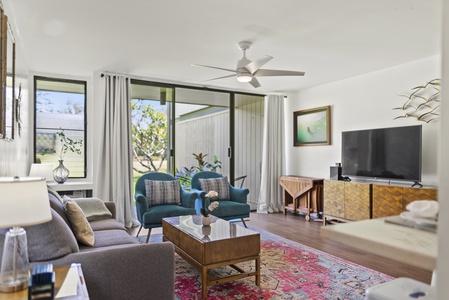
(423,208)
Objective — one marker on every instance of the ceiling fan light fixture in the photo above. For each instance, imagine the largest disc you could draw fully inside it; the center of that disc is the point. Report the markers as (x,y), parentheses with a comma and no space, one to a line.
(244,77)
(248,71)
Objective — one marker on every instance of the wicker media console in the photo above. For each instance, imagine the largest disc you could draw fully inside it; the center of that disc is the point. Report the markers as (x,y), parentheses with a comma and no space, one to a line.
(355,201)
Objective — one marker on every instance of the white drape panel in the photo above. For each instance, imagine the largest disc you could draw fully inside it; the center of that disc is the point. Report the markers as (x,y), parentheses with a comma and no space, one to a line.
(270,197)
(113,173)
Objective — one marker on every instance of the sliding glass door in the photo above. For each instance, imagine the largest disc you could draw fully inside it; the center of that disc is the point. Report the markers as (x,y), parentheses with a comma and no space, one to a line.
(151,118)
(181,130)
(202,136)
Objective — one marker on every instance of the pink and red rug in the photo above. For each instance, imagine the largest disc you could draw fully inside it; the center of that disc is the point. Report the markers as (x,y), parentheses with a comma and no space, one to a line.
(289,270)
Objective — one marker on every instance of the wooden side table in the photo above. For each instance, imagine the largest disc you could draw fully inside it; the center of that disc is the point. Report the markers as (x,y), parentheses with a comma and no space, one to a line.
(302,194)
(60,276)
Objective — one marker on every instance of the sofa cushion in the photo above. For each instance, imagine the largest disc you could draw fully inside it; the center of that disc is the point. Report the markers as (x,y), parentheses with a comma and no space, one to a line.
(93,208)
(161,192)
(220,185)
(108,238)
(54,193)
(58,206)
(81,227)
(106,224)
(50,240)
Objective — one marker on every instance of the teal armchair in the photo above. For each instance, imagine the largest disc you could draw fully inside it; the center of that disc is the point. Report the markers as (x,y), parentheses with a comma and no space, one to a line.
(233,207)
(150,215)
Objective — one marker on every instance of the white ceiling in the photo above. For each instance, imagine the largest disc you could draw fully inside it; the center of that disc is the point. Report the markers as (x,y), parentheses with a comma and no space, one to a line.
(330,40)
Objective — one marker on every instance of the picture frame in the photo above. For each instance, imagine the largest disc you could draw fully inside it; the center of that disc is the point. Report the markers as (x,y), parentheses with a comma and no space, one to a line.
(7,79)
(3,38)
(312,127)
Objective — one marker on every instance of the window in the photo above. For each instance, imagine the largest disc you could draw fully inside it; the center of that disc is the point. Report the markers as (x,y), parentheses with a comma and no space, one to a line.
(59,107)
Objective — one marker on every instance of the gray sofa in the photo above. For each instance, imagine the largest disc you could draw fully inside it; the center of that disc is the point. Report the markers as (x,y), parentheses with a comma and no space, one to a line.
(117,266)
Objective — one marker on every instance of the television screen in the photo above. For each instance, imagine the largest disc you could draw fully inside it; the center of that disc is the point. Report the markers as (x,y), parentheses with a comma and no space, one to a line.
(389,153)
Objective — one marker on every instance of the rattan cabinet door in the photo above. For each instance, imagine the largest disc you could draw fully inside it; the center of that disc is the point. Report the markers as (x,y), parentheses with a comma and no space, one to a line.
(357,201)
(334,198)
(387,200)
(411,194)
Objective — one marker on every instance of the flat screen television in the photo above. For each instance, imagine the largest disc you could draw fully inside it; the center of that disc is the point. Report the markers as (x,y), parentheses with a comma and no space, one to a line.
(383,153)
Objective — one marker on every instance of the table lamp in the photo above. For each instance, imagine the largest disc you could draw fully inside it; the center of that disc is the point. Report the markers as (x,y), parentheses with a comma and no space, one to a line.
(23,201)
(42,170)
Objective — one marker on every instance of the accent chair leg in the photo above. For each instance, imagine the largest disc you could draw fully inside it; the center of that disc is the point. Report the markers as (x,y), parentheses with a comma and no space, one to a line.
(244,224)
(148,235)
(139,230)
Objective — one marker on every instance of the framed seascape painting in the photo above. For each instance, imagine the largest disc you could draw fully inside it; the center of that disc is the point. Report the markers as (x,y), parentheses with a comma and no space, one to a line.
(312,126)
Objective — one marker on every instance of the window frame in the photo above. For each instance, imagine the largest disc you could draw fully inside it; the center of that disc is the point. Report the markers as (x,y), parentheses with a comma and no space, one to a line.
(62,80)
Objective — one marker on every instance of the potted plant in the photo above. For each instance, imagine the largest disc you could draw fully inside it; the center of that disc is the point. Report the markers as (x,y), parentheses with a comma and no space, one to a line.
(61,173)
(185,174)
(211,195)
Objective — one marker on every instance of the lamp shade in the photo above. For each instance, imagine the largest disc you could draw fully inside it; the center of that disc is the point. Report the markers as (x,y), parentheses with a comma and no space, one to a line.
(42,170)
(23,201)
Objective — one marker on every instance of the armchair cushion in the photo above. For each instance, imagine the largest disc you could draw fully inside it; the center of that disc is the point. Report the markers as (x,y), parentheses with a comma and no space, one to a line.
(162,192)
(220,185)
(156,213)
(81,227)
(233,209)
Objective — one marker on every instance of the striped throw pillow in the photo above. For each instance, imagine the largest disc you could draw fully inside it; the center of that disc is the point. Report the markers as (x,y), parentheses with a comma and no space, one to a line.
(162,192)
(220,185)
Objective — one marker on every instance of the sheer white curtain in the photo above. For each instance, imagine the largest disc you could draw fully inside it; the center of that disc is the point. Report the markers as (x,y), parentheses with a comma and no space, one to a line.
(270,197)
(113,173)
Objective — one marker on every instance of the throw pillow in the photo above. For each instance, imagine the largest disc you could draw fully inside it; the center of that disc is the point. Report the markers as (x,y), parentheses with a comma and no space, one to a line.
(220,185)
(50,240)
(162,192)
(93,208)
(81,227)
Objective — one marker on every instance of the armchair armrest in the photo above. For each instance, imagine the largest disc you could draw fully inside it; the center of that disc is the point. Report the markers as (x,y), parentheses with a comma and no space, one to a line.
(238,195)
(141,205)
(188,198)
(117,273)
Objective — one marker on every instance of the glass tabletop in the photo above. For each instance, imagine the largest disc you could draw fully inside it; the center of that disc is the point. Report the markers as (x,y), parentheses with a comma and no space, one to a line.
(219,229)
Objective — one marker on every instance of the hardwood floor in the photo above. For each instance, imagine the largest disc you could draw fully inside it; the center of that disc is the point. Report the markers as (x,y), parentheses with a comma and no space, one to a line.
(295,228)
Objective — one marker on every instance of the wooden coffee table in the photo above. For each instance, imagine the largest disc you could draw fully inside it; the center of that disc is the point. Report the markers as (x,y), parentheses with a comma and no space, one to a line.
(208,247)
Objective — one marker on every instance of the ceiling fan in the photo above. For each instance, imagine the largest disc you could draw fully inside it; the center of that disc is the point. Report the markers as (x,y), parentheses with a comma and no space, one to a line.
(248,70)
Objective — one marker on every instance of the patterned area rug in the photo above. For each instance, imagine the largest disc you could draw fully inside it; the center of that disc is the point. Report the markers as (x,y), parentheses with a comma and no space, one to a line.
(289,270)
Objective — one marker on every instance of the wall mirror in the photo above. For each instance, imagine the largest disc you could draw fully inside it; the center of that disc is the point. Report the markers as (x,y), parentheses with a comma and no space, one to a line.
(7,76)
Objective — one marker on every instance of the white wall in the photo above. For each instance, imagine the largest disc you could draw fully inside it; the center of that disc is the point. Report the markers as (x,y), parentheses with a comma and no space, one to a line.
(362,102)
(14,154)
(443,190)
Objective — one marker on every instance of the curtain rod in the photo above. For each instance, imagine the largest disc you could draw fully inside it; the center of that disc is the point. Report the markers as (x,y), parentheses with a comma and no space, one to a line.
(114,74)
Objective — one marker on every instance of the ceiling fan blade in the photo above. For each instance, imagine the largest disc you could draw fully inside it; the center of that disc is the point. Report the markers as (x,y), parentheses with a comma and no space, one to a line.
(265,72)
(229,70)
(258,63)
(254,82)
(227,76)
